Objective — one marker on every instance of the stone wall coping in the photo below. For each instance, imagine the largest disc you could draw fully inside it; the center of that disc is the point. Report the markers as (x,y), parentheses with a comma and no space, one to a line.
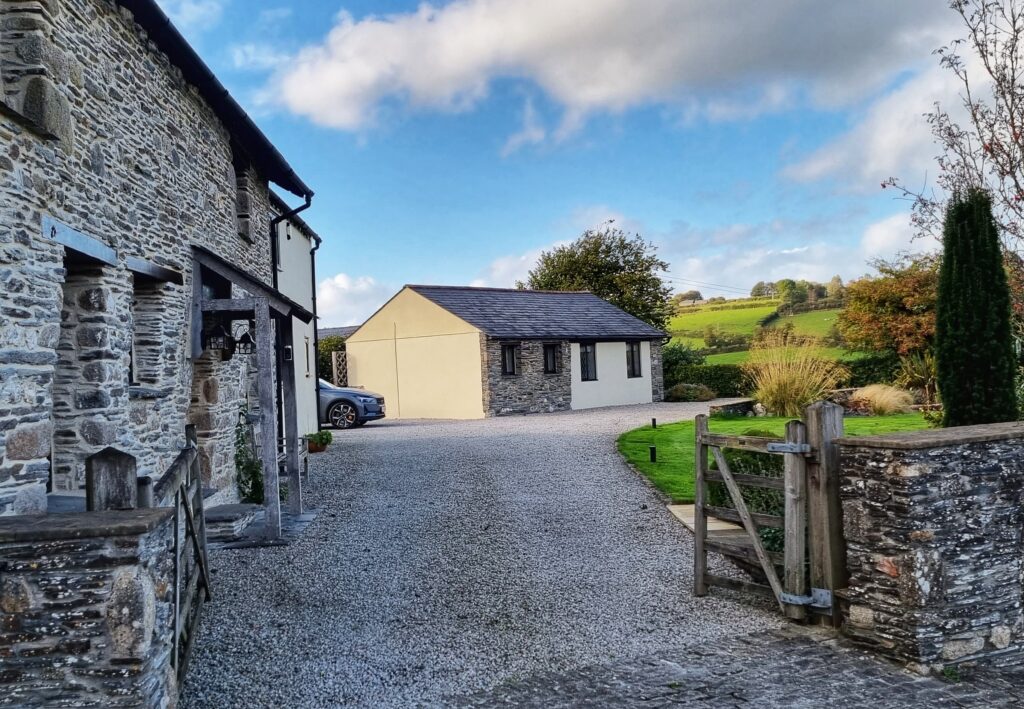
(938,437)
(81,525)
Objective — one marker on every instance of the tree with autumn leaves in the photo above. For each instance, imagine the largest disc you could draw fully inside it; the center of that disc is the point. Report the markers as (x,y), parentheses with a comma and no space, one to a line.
(894,311)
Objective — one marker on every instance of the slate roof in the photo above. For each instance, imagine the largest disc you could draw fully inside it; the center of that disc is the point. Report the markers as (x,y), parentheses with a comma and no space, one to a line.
(535,315)
(340,331)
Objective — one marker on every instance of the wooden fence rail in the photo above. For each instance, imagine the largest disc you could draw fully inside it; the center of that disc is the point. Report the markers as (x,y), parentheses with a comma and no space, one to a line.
(812,563)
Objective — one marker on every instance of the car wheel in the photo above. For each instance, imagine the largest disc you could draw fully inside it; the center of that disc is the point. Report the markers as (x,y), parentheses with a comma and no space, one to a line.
(342,415)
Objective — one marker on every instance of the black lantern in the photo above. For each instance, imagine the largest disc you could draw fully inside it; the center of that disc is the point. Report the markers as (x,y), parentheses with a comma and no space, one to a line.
(220,339)
(244,342)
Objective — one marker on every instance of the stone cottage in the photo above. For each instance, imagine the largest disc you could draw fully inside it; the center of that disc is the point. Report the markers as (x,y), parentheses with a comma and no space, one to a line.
(136,223)
(461,352)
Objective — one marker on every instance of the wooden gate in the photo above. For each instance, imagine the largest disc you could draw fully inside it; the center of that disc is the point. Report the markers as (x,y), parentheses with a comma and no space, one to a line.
(181,487)
(812,563)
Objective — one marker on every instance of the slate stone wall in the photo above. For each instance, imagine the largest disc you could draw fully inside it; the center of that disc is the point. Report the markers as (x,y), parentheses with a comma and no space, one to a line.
(933,526)
(531,390)
(657,372)
(101,133)
(87,618)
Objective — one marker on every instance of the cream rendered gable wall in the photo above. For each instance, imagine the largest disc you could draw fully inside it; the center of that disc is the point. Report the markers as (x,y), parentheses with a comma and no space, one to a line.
(612,387)
(295,280)
(423,360)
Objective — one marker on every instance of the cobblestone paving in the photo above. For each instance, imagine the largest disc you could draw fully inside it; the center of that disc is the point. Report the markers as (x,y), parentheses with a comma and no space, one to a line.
(794,667)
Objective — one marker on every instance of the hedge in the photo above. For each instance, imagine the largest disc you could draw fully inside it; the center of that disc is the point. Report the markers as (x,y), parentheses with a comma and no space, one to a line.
(723,379)
(872,369)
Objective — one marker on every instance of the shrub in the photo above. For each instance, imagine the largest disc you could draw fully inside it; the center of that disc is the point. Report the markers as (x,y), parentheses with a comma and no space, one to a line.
(788,374)
(760,500)
(878,368)
(917,372)
(882,399)
(689,392)
(675,356)
(725,379)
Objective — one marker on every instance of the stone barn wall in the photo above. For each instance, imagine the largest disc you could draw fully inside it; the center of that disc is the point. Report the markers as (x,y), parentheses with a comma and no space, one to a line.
(99,132)
(933,525)
(531,390)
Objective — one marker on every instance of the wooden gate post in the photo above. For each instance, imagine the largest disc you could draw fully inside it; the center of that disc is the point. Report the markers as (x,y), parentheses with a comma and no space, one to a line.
(268,421)
(824,511)
(700,520)
(111,481)
(795,551)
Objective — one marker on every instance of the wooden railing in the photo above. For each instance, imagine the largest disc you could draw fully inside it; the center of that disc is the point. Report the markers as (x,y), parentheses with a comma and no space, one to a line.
(812,561)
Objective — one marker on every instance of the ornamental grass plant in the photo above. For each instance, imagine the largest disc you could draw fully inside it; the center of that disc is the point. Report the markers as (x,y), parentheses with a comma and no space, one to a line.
(789,373)
(883,400)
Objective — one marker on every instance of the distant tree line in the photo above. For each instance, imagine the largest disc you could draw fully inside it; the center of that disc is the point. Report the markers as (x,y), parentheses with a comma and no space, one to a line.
(792,292)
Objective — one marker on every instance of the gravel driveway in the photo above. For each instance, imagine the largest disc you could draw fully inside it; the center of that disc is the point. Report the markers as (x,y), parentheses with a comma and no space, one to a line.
(450,557)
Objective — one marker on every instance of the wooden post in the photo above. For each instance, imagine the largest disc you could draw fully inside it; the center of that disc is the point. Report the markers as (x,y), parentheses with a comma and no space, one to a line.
(700,520)
(291,422)
(795,550)
(824,511)
(111,481)
(268,422)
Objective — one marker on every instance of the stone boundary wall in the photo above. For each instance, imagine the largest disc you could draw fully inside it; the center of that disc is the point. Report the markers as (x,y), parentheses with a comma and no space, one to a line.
(531,390)
(100,132)
(86,606)
(933,526)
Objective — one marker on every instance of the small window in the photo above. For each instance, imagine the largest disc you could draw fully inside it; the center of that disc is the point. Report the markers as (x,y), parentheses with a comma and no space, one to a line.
(509,360)
(552,358)
(633,368)
(588,362)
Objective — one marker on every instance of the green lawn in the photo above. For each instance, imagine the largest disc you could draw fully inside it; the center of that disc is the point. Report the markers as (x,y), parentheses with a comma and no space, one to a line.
(816,323)
(673,473)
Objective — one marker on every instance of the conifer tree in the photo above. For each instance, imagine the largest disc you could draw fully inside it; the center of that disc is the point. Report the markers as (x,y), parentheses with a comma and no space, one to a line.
(973,341)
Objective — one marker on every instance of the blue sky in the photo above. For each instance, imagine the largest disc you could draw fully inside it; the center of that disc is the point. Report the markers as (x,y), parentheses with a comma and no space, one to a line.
(452,143)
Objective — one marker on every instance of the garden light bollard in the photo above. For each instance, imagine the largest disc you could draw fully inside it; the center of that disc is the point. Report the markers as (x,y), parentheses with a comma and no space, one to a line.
(654,454)
(654,423)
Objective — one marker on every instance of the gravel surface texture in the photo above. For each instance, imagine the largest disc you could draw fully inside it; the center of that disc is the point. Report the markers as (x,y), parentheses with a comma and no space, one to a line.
(452,557)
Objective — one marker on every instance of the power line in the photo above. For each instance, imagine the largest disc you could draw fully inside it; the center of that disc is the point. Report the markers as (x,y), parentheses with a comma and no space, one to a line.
(717,286)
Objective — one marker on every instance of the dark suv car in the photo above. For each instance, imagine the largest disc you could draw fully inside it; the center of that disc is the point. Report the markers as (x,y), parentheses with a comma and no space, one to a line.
(347,407)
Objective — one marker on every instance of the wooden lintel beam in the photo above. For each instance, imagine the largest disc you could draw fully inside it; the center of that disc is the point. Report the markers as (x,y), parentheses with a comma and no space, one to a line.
(240,306)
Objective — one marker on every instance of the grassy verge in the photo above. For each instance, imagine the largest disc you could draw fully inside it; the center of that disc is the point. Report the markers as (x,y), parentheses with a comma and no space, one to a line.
(836,353)
(673,473)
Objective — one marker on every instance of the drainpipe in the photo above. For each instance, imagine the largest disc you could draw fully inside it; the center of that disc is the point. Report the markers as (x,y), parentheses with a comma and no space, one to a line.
(274,255)
(316,333)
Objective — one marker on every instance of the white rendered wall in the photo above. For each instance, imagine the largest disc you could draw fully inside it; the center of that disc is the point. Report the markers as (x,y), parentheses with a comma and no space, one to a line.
(612,387)
(295,280)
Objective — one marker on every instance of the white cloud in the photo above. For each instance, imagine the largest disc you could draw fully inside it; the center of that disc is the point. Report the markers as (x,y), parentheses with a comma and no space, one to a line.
(532,132)
(723,59)
(503,272)
(348,300)
(257,56)
(892,139)
(193,16)
(892,236)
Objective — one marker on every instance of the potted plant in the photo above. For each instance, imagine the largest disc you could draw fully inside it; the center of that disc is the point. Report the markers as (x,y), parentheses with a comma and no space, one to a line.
(317,442)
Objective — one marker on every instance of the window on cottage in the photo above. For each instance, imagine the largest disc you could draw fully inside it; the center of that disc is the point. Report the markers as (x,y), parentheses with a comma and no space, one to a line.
(552,358)
(588,362)
(633,368)
(509,357)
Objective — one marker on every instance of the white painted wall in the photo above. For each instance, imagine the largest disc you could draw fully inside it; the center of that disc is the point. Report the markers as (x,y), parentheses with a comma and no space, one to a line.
(612,387)
(295,280)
